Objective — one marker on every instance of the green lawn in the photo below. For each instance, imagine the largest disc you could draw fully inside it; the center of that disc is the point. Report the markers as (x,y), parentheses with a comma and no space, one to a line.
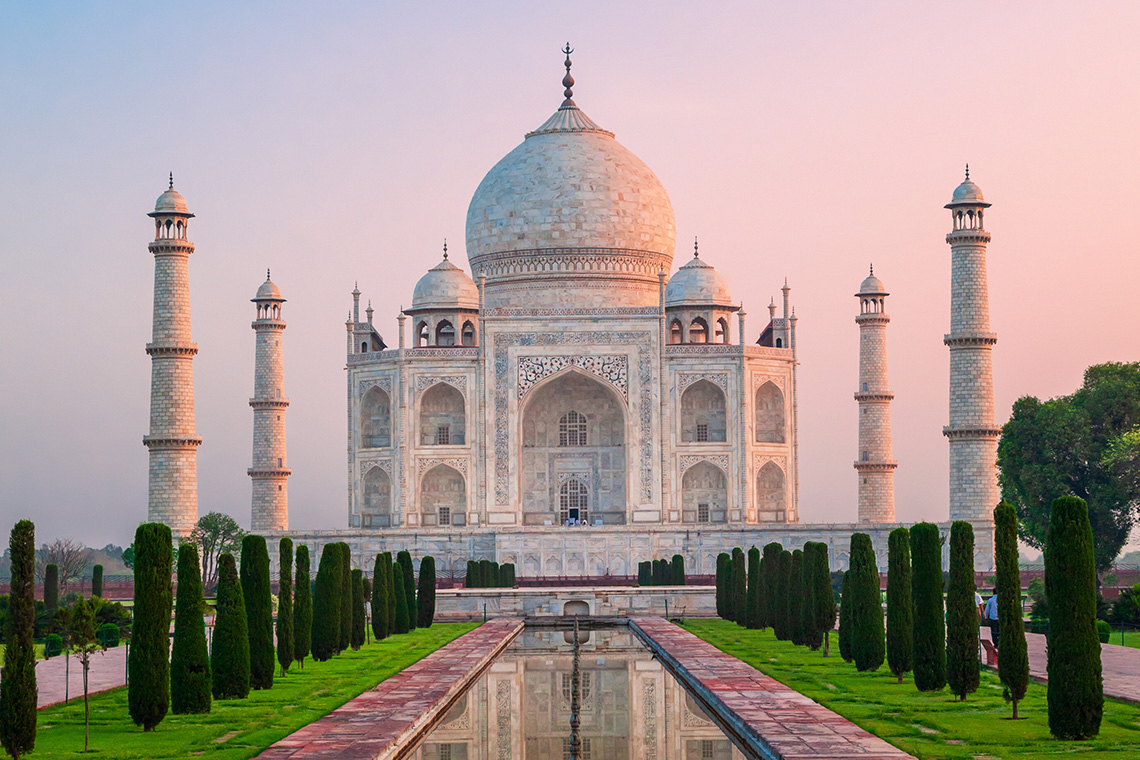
(238,728)
(928,725)
(39,651)
(1131,638)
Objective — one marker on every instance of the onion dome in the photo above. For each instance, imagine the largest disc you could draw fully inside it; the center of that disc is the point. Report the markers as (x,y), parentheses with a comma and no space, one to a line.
(268,291)
(968,194)
(872,286)
(697,284)
(171,202)
(445,286)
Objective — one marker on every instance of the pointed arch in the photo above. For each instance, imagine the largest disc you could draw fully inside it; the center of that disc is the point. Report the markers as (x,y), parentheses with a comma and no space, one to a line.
(443,496)
(704,494)
(423,336)
(721,335)
(703,413)
(676,332)
(770,423)
(699,331)
(376,419)
(445,333)
(468,333)
(443,416)
(376,510)
(771,496)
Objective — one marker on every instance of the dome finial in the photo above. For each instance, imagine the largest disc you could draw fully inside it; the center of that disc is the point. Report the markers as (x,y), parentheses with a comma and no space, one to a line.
(445,249)
(568,81)
(267,274)
(872,269)
(696,252)
(967,171)
(171,181)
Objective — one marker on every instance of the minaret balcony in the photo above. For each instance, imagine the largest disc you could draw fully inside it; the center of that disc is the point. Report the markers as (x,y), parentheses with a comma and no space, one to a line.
(968,236)
(269,472)
(172,349)
(269,403)
(267,324)
(172,441)
(972,432)
(884,466)
(883,395)
(955,340)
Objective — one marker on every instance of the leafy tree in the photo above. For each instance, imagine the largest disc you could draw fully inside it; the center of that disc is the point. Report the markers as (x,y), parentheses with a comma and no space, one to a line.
(425,599)
(769,575)
(962,666)
(302,608)
(258,610)
(929,624)
(229,655)
(402,625)
(345,639)
(723,568)
(129,557)
(51,588)
(1013,663)
(1086,445)
(70,557)
(845,605)
(215,534)
(148,681)
(678,568)
(357,609)
(752,612)
(490,580)
(739,587)
(822,597)
(189,658)
(379,600)
(900,604)
(781,625)
(285,634)
(83,645)
(326,604)
(1076,688)
(97,581)
(18,676)
(867,644)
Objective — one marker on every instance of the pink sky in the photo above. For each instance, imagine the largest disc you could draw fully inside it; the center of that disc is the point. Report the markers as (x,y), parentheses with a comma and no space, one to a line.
(336,145)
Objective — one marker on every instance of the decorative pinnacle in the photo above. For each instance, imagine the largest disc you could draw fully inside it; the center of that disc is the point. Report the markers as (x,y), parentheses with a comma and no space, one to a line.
(696,251)
(967,171)
(445,249)
(171,181)
(872,269)
(568,81)
(267,274)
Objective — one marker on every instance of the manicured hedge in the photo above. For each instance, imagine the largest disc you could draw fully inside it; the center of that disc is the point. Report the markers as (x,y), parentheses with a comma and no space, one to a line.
(739,587)
(190,682)
(401,623)
(929,622)
(962,664)
(380,598)
(258,610)
(326,604)
(1013,664)
(285,634)
(229,656)
(752,611)
(18,685)
(900,604)
(345,639)
(769,576)
(845,605)
(781,624)
(723,571)
(796,626)
(148,682)
(97,581)
(302,608)
(425,599)
(358,631)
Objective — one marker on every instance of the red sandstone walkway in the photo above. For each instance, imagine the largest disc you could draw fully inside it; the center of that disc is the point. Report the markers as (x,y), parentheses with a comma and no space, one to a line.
(376,724)
(762,708)
(108,671)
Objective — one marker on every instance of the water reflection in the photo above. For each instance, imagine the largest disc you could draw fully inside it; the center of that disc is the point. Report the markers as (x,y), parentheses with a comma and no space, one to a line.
(630,707)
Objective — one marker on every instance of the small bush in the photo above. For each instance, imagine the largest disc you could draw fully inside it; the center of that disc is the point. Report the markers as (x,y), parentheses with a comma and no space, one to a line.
(53,645)
(108,635)
(1104,631)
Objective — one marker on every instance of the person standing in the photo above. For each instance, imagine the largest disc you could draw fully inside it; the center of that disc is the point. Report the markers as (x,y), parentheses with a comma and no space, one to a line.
(991,616)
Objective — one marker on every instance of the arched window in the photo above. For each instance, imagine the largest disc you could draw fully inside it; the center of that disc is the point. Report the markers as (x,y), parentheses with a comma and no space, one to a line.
(468,334)
(770,499)
(676,332)
(442,416)
(375,420)
(704,494)
(445,334)
(769,422)
(572,429)
(703,416)
(721,330)
(573,501)
(699,331)
(422,335)
(779,342)
(376,512)
(443,496)
(364,348)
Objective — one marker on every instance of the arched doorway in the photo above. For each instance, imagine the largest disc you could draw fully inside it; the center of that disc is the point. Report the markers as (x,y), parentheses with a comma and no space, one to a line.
(704,494)
(770,422)
(443,496)
(375,420)
(376,511)
(771,501)
(443,419)
(703,416)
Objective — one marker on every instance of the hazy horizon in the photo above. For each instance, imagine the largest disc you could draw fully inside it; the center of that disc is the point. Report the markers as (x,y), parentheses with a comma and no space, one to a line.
(342,144)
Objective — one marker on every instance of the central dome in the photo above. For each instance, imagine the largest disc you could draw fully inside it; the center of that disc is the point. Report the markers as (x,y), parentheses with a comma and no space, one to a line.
(573,210)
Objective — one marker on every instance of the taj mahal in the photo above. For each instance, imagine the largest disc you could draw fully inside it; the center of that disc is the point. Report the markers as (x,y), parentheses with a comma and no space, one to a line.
(569,402)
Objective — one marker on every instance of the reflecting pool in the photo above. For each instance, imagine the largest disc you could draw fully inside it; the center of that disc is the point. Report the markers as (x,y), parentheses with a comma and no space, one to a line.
(629,706)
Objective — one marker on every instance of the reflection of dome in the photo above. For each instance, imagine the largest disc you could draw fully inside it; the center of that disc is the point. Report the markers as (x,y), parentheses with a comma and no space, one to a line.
(268,291)
(697,283)
(445,286)
(872,286)
(171,202)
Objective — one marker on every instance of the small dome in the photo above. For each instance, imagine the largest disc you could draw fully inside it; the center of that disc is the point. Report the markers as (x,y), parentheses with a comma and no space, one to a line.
(872,286)
(268,292)
(171,202)
(445,286)
(967,194)
(697,283)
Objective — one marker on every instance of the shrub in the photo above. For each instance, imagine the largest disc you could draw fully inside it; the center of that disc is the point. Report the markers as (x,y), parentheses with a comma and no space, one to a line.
(1103,631)
(823,600)
(495,575)
(258,610)
(53,645)
(302,608)
(229,658)
(285,635)
(189,658)
(18,682)
(867,640)
(357,609)
(643,574)
(486,574)
(678,567)
(962,666)
(326,604)
(1076,690)
(1013,664)
(379,600)
(97,581)
(752,611)
(722,578)
(900,604)
(490,580)
(780,623)
(148,680)
(472,579)
(345,639)
(402,625)
(929,660)
(845,604)
(769,576)
(508,573)
(739,587)
(425,599)
(108,635)
(796,599)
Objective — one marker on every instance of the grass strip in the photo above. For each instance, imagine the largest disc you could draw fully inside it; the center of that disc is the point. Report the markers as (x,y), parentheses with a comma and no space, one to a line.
(930,726)
(238,729)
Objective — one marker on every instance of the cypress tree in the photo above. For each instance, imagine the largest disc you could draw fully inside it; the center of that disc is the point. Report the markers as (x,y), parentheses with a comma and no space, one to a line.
(1075,688)
(326,604)
(722,572)
(97,581)
(51,589)
(472,580)
(18,692)
(390,577)
(752,613)
(302,608)
(1013,664)
(900,604)
(496,574)
(425,599)
(405,559)
(345,639)
(189,659)
(258,610)
(822,596)
(678,568)
(379,603)
(796,599)
(229,658)
(770,562)
(780,624)
(739,587)
(508,579)
(148,682)
(813,634)
(845,605)
(929,659)
(867,644)
(401,600)
(962,665)
(357,609)
(285,634)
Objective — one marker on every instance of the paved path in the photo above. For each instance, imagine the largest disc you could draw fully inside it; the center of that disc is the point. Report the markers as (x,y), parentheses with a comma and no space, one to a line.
(108,671)
(378,723)
(1120,666)
(761,708)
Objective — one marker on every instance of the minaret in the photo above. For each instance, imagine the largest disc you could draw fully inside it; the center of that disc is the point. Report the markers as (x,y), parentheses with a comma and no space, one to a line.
(972,433)
(875,464)
(172,442)
(270,471)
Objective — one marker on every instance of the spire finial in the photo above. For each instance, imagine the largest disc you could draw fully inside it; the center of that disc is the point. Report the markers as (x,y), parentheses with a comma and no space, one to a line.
(568,81)
(872,269)
(696,251)
(445,249)
(171,181)
(267,274)
(967,171)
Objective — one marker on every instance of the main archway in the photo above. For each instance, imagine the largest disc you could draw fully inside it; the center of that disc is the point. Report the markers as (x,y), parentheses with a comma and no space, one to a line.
(573,451)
